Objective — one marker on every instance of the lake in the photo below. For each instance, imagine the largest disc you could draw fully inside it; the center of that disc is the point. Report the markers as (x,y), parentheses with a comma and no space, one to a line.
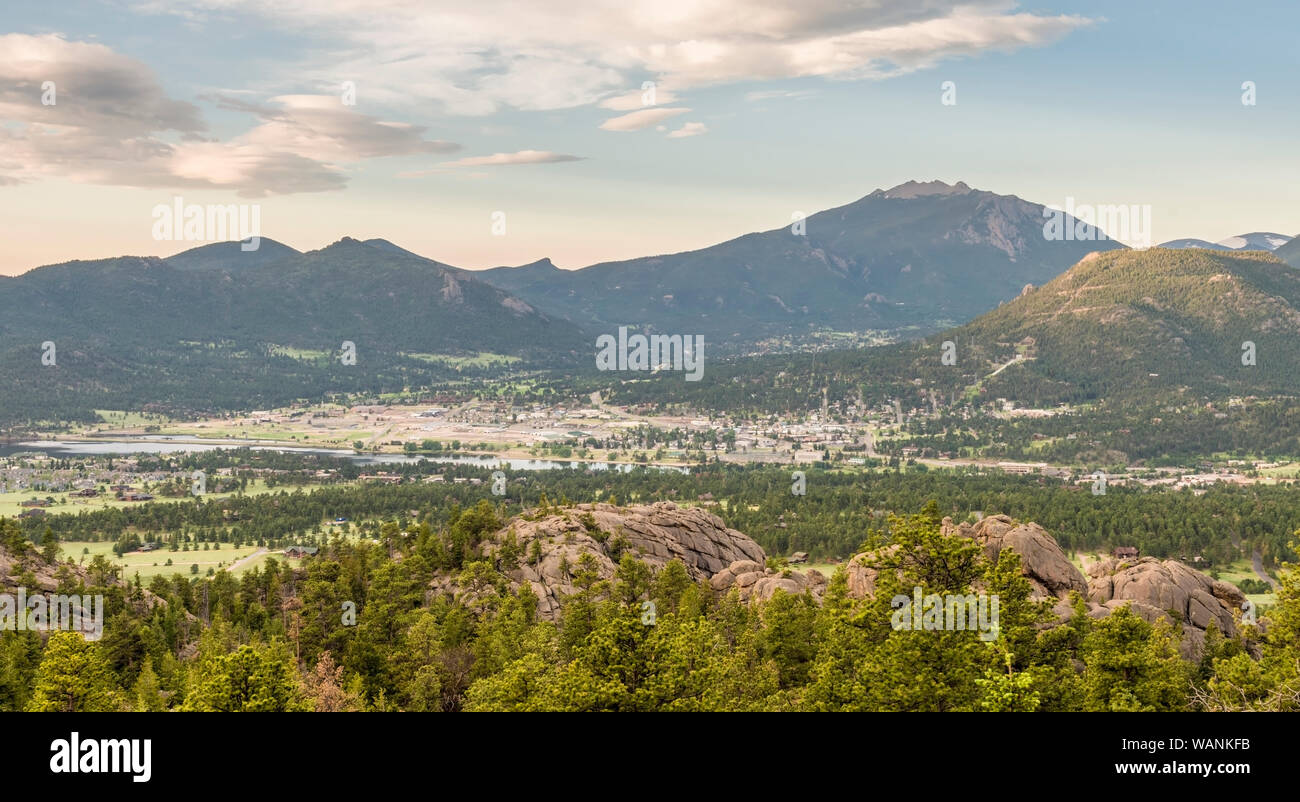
(160,444)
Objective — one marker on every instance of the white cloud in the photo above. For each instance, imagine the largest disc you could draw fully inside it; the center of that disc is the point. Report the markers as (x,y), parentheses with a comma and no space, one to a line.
(475,58)
(637,99)
(689,129)
(112,123)
(321,127)
(519,157)
(638,120)
(774,94)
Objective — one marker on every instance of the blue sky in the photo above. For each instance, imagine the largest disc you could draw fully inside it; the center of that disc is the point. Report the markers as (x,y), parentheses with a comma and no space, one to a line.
(500,107)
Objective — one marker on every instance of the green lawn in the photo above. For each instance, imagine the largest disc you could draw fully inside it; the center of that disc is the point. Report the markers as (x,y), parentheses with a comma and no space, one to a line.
(123,419)
(482,359)
(65,503)
(149,564)
(301,354)
(1262,601)
(1239,570)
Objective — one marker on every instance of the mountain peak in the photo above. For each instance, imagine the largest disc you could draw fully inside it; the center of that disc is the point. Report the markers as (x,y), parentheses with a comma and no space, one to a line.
(919,189)
(230,255)
(387,245)
(1255,241)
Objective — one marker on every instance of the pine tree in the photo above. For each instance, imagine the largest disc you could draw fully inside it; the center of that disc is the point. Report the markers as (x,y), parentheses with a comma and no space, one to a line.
(148,696)
(73,677)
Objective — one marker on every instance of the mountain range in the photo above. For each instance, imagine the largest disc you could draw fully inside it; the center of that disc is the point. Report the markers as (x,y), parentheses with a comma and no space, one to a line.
(911,259)
(1290,252)
(1254,241)
(1123,325)
(217,327)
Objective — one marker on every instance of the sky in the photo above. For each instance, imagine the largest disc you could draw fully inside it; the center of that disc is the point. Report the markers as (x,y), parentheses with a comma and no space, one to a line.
(500,132)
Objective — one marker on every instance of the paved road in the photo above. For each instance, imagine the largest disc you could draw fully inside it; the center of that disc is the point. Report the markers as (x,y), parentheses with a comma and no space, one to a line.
(252,556)
(1014,360)
(1257,563)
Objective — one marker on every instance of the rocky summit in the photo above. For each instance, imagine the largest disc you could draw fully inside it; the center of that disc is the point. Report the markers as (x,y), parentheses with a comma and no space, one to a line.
(730,560)
(656,533)
(1155,588)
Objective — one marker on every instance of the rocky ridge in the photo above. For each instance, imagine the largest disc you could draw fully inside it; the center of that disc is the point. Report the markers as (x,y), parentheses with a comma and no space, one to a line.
(728,559)
(657,533)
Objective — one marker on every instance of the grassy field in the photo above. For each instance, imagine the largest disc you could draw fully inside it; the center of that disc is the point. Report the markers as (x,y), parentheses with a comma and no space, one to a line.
(65,504)
(1235,572)
(296,432)
(122,419)
(1287,470)
(301,354)
(1241,569)
(149,564)
(483,359)
(1040,445)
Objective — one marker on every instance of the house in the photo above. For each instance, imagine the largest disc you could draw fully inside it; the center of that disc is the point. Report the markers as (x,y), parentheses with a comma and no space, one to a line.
(301,551)
(89,492)
(1021,467)
(1126,553)
(31,514)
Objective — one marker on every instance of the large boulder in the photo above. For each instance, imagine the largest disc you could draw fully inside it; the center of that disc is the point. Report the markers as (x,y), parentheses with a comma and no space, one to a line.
(1166,588)
(753,582)
(862,574)
(1049,571)
(729,560)
(656,533)
(1152,589)
(1042,561)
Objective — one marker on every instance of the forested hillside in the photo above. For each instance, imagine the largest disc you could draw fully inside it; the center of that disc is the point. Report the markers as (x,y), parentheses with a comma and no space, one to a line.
(640,639)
